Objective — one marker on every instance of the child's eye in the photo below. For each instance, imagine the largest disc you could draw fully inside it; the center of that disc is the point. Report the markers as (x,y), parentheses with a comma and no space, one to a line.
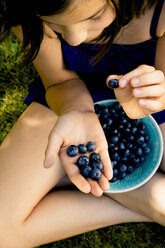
(98,18)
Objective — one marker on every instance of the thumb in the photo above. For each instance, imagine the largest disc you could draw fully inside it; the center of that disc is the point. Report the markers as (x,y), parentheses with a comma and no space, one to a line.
(112,77)
(52,150)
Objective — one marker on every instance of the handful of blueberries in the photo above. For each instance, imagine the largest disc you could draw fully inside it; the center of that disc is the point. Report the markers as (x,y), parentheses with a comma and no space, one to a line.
(127,144)
(89,166)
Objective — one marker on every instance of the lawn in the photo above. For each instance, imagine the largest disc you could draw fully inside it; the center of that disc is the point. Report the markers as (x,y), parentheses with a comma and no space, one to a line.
(14,83)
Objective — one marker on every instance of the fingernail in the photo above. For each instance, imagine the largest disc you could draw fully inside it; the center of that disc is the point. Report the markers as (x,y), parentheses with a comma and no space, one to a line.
(123,83)
(135,82)
(137,92)
(142,102)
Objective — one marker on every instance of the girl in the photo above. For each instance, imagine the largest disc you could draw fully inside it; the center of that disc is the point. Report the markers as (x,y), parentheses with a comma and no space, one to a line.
(77,46)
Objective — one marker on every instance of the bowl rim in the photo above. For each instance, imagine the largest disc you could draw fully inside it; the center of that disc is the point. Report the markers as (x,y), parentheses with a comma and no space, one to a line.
(158,162)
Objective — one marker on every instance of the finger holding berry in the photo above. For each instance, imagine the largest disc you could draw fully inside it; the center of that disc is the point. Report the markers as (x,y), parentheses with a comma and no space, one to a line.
(141,92)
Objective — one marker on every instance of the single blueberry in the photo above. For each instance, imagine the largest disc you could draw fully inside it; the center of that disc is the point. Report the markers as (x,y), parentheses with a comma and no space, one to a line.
(90,146)
(130,138)
(122,146)
(113,83)
(85,171)
(83,161)
(115,172)
(95,174)
(130,169)
(139,152)
(114,163)
(140,140)
(136,160)
(122,168)
(147,138)
(126,152)
(136,122)
(129,145)
(146,150)
(94,156)
(115,156)
(114,139)
(82,148)
(72,151)
(96,164)
(124,159)
(122,175)
(134,130)
(113,179)
(144,145)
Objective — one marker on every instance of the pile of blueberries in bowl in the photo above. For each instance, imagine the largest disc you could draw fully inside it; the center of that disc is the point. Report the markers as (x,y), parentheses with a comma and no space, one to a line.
(135,146)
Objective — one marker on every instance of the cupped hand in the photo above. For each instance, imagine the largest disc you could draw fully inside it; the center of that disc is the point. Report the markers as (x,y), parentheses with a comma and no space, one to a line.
(74,128)
(141,91)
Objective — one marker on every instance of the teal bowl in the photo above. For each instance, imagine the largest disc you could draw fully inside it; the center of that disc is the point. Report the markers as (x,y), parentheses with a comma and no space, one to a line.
(149,167)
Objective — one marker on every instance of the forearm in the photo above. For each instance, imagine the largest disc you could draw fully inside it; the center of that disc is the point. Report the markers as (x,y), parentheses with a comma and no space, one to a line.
(69,95)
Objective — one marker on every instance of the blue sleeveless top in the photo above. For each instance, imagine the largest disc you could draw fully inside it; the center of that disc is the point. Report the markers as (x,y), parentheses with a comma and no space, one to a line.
(119,60)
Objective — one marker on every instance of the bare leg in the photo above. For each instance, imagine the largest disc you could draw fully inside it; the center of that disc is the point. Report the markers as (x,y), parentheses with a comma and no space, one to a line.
(149,199)
(29,214)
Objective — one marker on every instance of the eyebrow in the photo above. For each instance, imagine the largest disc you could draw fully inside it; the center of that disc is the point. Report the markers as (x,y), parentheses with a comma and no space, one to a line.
(86,18)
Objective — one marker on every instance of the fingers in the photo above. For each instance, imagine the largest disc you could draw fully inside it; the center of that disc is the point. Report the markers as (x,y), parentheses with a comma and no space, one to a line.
(52,150)
(150,78)
(105,159)
(150,105)
(140,70)
(149,91)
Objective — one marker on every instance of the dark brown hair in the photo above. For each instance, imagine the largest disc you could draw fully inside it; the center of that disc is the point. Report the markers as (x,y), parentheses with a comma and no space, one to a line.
(27,14)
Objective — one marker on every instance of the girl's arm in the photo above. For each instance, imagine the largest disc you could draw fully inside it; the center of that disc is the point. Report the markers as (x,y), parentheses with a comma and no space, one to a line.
(64,89)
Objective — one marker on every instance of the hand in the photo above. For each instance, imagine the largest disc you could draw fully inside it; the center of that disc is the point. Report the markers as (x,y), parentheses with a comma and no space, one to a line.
(141,91)
(74,128)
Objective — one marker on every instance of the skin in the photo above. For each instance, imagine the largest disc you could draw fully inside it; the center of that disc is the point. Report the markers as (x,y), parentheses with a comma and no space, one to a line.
(31,215)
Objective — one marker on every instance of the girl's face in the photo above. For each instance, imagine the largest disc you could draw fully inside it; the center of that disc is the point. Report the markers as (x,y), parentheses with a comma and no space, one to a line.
(82,21)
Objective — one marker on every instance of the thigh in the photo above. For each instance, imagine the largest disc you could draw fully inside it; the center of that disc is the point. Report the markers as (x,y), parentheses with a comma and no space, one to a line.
(23,179)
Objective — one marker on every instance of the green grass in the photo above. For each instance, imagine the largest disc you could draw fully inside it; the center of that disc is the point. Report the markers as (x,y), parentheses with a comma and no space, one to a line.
(14,83)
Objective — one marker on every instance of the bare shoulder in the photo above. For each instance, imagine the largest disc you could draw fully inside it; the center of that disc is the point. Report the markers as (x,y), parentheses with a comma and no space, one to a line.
(161,24)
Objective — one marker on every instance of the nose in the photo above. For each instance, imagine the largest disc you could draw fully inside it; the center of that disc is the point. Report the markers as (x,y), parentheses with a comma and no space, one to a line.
(74,36)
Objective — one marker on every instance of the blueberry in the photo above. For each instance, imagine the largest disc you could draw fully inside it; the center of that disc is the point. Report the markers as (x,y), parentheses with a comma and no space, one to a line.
(83,161)
(96,164)
(140,140)
(136,160)
(122,175)
(115,156)
(130,169)
(114,163)
(113,83)
(124,159)
(122,168)
(139,152)
(113,179)
(90,146)
(129,145)
(82,148)
(114,139)
(134,130)
(72,151)
(122,146)
(146,150)
(126,152)
(115,172)
(95,174)
(94,156)
(130,138)
(85,171)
